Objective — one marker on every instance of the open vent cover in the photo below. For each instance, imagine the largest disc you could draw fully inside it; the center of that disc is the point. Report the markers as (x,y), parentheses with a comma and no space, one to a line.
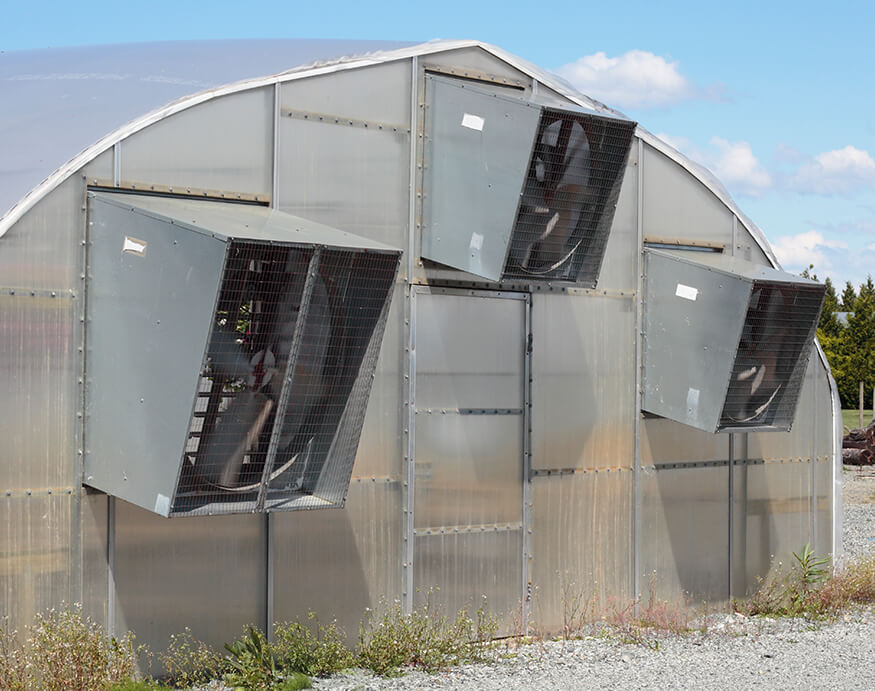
(516,190)
(726,342)
(271,336)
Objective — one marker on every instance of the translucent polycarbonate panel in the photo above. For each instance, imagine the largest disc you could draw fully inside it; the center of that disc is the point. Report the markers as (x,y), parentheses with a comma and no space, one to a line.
(377,93)
(95,571)
(581,543)
(348,177)
(43,250)
(476,60)
(339,563)
(550,97)
(468,470)
(679,207)
(823,483)
(206,574)
(35,561)
(619,268)
(467,570)
(101,166)
(222,144)
(379,452)
(583,383)
(799,441)
(107,86)
(739,520)
(666,441)
(747,248)
(778,510)
(684,532)
(469,351)
(40,394)
(569,196)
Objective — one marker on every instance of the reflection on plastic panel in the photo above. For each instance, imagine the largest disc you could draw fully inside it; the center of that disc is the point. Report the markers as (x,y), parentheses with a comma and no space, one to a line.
(581,542)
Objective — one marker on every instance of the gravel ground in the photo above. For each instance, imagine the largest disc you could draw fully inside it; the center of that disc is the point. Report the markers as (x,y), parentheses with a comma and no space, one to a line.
(736,652)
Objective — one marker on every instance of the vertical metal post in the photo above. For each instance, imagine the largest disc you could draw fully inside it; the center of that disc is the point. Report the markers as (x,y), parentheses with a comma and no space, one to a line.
(734,234)
(288,375)
(527,471)
(730,533)
(410,458)
(110,565)
(814,503)
(268,577)
(117,164)
(274,164)
(408,444)
(639,324)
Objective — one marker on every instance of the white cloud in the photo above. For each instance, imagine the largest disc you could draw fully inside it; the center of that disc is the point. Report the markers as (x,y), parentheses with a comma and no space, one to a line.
(734,163)
(636,79)
(837,172)
(796,252)
(871,247)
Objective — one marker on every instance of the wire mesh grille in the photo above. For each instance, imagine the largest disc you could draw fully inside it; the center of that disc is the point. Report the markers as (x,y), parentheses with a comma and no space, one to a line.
(288,344)
(772,355)
(569,196)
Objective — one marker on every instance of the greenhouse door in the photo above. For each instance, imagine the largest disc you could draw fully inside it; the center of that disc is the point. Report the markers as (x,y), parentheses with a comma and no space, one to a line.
(470,354)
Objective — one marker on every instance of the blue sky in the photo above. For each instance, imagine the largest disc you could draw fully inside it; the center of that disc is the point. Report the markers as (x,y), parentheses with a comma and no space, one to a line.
(776,98)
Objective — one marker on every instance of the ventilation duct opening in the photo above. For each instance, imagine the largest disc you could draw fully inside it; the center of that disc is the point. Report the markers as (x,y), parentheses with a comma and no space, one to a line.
(282,320)
(726,341)
(515,190)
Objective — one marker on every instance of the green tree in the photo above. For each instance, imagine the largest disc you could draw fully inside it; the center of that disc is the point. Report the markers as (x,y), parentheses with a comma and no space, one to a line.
(849,297)
(851,351)
(829,324)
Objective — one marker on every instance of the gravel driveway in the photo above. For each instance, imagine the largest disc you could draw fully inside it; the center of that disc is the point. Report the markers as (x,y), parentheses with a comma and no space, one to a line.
(736,652)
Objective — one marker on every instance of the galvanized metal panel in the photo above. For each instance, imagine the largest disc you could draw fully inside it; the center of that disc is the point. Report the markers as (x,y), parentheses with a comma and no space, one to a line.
(377,93)
(666,441)
(476,156)
(145,349)
(693,319)
(466,570)
(469,352)
(346,176)
(475,60)
(581,543)
(583,388)
(207,574)
(468,470)
(684,539)
(338,563)
(621,255)
(678,206)
(777,509)
(222,144)
(35,565)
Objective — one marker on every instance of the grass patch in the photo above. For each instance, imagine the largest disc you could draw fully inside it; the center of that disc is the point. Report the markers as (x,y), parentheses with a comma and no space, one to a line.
(851,418)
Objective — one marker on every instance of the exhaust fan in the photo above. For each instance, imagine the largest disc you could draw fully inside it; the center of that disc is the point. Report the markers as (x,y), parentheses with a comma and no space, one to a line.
(516,190)
(250,340)
(726,342)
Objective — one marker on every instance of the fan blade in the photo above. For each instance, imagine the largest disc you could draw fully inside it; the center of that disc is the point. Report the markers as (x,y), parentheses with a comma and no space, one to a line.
(220,455)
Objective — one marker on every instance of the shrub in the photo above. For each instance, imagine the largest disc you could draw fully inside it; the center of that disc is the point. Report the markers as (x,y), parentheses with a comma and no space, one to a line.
(65,651)
(299,649)
(253,665)
(190,662)
(423,639)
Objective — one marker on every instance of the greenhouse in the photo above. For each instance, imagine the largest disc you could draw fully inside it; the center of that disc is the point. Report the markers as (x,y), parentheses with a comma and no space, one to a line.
(292,326)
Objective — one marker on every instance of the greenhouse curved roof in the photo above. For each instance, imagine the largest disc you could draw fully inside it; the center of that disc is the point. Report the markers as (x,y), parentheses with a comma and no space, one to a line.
(63,106)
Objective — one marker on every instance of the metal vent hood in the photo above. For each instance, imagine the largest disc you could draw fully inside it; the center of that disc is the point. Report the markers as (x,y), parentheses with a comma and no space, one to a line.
(515,190)
(230,353)
(726,342)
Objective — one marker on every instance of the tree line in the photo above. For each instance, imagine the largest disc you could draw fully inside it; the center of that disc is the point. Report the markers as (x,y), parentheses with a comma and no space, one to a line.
(849,344)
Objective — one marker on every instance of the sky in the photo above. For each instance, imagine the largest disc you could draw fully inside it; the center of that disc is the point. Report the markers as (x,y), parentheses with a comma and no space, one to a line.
(776,98)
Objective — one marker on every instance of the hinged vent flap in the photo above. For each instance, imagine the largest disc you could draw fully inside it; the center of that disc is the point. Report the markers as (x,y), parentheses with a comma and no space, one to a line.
(230,356)
(514,190)
(726,342)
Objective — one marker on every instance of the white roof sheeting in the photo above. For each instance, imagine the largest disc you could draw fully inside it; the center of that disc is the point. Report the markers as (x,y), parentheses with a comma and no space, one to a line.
(64,106)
